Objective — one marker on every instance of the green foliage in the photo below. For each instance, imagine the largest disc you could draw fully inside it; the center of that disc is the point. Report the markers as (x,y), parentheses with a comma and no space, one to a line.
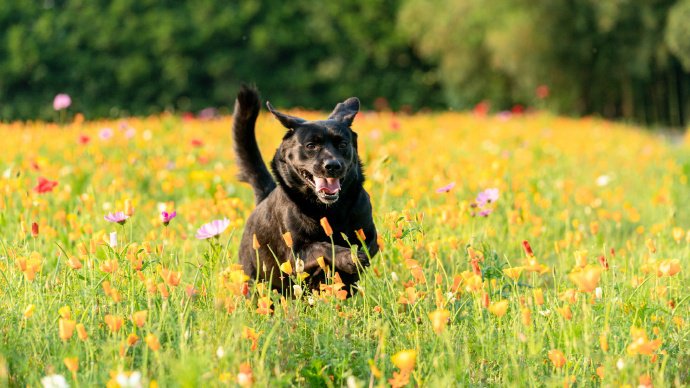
(608,58)
(137,57)
(678,32)
(614,58)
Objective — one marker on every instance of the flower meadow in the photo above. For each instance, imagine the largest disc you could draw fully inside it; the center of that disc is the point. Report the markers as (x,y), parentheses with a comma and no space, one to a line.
(520,250)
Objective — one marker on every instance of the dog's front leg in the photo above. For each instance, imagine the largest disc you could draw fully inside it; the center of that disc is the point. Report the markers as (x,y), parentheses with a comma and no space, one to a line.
(343,257)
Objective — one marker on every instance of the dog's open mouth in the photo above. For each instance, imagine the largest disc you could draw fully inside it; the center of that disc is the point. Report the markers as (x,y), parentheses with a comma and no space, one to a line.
(327,189)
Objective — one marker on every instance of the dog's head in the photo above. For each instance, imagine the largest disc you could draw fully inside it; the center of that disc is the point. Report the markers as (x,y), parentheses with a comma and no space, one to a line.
(319,158)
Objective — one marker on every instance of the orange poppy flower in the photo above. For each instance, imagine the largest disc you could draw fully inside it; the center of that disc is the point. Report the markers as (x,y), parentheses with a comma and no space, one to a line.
(586,279)
(668,267)
(66,328)
(641,343)
(114,323)
(139,318)
(81,332)
(72,363)
(287,237)
(152,342)
(557,358)
(326,226)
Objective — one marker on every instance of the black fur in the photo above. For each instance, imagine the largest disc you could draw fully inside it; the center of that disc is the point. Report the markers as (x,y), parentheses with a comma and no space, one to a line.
(322,151)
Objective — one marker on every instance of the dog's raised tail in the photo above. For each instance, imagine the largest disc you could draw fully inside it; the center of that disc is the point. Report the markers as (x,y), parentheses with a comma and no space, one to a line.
(252,168)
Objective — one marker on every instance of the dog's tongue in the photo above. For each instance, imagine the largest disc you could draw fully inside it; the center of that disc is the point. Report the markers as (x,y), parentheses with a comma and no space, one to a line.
(327,185)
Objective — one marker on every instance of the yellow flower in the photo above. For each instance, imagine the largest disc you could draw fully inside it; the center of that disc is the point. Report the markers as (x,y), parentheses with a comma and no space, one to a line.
(29,311)
(678,234)
(499,308)
(405,359)
(439,320)
(286,267)
(538,296)
(129,209)
(513,272)
(526,316)
(603,342)
(581,258)
(322,263)
(65,312)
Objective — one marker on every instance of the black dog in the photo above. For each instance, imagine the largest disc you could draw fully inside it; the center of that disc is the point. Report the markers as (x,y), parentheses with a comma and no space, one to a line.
(319,174)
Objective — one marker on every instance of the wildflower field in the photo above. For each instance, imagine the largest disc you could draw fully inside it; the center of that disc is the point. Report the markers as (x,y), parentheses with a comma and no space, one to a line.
(523,250)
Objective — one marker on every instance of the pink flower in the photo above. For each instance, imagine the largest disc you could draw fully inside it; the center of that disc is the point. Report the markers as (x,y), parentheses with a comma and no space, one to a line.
(486,197)
(62,101)
(119,217)
(212,229)
(105,133)
(484,202)
(446,188)
(44,185)
(167,217)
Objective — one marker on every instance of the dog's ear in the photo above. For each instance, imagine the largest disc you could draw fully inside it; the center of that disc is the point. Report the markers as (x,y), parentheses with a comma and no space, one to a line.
(289,122)
(345,111)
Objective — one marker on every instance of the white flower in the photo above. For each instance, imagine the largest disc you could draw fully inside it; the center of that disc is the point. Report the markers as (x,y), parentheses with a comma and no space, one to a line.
(220,352)
(351,382)
(54,381)
(603,180)
(299,266)
(394,276)
(620,364)
(297,291)
(133,380)
(113,239)
(311,300)
(598,292)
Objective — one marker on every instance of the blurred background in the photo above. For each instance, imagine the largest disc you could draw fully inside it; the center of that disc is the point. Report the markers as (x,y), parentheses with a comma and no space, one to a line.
(620,59)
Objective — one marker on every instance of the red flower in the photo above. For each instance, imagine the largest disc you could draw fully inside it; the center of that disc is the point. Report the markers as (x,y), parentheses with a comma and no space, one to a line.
(44,185)
(84,139)
(542,92)
(196,143)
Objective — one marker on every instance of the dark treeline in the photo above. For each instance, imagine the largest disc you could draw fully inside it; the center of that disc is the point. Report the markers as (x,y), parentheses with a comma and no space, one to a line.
(619,59)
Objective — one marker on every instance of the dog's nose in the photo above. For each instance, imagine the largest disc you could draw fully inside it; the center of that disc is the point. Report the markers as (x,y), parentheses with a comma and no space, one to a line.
(332,166)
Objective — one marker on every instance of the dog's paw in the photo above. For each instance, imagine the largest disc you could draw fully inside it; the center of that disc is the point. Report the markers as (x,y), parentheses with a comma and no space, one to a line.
(348,262)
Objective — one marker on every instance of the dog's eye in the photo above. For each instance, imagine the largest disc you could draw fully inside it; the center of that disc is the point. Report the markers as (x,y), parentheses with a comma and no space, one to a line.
(342,145)
(310,146)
